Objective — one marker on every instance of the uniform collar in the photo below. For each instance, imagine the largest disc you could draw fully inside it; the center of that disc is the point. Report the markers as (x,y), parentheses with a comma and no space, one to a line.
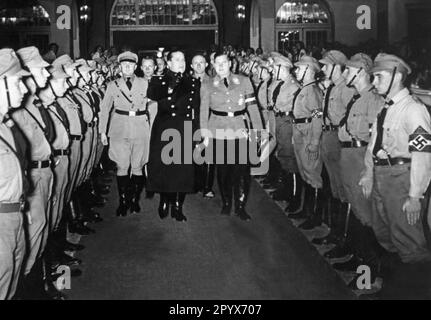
(400,95)
(339,81)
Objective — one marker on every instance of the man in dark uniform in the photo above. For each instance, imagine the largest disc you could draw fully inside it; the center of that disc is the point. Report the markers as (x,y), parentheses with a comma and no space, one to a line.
(174,93)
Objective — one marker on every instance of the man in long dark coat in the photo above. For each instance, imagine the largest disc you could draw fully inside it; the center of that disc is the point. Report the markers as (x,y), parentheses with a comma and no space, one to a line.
(170,166)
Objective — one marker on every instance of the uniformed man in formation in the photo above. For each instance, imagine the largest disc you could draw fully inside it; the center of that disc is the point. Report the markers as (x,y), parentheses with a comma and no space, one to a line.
(50,146)
(373,140)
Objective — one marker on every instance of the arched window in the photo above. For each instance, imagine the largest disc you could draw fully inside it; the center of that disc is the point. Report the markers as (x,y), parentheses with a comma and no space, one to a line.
(306,21)
(147,14)
(27,16)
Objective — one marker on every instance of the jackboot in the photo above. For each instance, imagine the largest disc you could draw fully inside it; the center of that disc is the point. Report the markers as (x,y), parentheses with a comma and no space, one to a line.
(76,223)
(284,191)
(123,186)
(241,191)
(226,188)
(315,219)
(177,206)
(164,205)
(209,171)
(307,207)
(137,187)
(295,201)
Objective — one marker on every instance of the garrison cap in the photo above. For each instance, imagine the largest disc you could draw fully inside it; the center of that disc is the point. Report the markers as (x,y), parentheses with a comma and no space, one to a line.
(128,56)
(334,57)
(360,60)
(31,58)
(388,62)
(10,64)
(308,61)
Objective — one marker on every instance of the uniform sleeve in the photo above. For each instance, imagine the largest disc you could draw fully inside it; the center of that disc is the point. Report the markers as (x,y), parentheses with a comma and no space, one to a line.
(105,108)
(252,107)
(204,109)
(314,105)
(419,129)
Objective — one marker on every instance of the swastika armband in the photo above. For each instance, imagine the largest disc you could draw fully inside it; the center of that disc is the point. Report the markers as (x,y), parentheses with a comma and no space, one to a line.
(420,141)
(316,113)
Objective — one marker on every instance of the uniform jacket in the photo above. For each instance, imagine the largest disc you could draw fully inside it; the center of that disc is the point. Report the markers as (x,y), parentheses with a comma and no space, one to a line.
(72,112)
(406,134)
(119,97)
(338,100)
(308,104)
(362,116)
(284,101)
(40,149)
(11,179)
(61,141)
(239,96)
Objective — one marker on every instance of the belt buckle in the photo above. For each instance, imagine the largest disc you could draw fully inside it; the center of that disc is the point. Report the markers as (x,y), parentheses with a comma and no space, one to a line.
(132,113)
(230,114)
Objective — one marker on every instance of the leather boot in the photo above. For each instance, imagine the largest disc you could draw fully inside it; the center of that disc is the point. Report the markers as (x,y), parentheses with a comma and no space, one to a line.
(137,187)
(307,208)
(164,205)
(209,171)
(333,210)
(76,223)
(226,188)
(241,190)
(315,219)
(295,201)
(284,191)
(274,168)
(177,207)
(123,185)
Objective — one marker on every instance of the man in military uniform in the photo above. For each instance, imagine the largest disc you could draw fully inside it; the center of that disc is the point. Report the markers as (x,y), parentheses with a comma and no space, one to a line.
(205,172)
(12,238)
(229,116)
(354,135)
(34,121)
(307,131)
(129,129)
(336,97)
(175,94)
(398,163)
(282,99)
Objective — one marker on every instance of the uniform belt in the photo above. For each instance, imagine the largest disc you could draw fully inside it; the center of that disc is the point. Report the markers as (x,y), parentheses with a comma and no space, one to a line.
(91,125)
(58,153)
(40,164)
(11,207)
(303,120)
(353,144)
(284,114)
(75,137)
(229,114)
(391,161)
(329,127)
(132,113)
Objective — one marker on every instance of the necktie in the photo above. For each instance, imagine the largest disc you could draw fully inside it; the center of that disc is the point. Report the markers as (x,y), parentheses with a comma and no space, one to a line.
(62,115)
(49,126)
(276,93)
(348,109)
(226,83)
(326,105)
(380,121)
(295,96)
(129,83)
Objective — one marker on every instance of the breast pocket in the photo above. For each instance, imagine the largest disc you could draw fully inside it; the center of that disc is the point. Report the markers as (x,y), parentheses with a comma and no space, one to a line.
(7,164)
(390,130)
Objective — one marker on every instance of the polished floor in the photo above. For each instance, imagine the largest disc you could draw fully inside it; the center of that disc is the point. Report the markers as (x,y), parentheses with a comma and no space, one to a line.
(208,257)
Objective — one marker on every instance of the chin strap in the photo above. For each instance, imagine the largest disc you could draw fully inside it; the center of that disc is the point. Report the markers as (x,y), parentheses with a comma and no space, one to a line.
(9,105)
(391,83)
(303,75)
(350,84)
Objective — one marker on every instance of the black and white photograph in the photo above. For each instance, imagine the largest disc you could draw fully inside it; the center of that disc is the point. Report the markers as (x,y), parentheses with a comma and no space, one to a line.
(215,155)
